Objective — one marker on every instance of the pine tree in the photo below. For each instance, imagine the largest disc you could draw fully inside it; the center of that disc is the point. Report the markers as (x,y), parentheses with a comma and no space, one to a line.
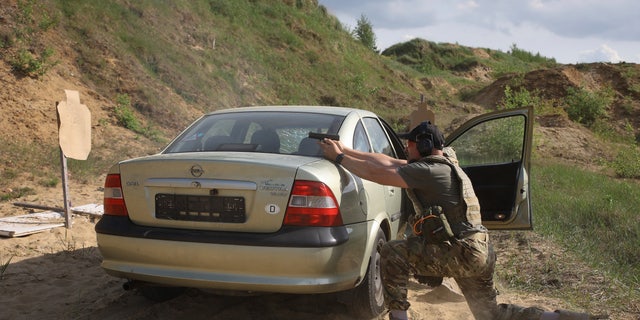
(364,33)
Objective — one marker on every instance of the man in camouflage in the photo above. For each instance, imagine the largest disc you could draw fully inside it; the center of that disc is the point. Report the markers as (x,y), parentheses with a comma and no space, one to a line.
(448,238)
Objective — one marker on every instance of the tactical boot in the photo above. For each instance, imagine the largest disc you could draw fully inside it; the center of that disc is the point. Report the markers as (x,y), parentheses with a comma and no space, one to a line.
(512,312)
(398,315)
(570,315)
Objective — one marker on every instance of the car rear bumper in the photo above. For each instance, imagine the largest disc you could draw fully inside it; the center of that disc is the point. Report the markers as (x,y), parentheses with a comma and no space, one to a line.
(285,237)
(293,260)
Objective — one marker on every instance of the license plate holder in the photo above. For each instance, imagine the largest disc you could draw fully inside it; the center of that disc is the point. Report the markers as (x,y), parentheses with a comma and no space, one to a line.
(200,208)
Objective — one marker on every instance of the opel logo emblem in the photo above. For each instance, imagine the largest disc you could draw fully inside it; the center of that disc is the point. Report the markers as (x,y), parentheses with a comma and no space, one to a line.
(196,170)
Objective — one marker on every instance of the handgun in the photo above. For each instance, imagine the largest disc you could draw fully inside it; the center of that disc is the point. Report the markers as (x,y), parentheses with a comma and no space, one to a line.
(321,136)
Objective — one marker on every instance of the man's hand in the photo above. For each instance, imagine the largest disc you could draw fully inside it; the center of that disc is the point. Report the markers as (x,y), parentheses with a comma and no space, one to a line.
(331,148)
(376,167)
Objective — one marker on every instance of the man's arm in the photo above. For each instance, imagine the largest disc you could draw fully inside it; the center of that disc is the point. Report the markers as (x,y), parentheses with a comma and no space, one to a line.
(367,156)
(375,167)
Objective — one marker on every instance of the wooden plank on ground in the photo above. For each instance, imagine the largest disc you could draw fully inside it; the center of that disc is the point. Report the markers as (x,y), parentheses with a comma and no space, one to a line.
(19,226)
(92,209)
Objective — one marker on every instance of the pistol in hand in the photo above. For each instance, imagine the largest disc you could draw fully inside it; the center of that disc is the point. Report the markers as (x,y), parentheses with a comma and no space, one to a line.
(322,136)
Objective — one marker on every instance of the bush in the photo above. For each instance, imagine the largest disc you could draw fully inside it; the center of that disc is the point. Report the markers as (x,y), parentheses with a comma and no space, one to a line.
(26,63)
(127,118)
(517,99)
(585,106)
(125,114)
(529,57)
(627,163)
(29,57)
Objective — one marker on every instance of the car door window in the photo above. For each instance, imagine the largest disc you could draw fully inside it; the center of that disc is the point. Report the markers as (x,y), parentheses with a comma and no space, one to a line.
(497,141)
(494,150)
(379,140)
(396,143)
(360,139)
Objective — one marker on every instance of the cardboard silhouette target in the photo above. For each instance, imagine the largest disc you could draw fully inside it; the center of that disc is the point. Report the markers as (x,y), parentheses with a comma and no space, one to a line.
(75,127)
(74,133)
(421,114)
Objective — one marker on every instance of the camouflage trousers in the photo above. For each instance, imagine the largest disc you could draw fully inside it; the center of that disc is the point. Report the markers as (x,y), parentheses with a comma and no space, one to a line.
(469,261)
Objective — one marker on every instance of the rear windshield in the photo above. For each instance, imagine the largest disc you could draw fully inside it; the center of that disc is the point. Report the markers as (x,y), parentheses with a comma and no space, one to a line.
(270,132)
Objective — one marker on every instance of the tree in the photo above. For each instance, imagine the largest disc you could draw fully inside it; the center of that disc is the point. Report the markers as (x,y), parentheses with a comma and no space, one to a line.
(364,33)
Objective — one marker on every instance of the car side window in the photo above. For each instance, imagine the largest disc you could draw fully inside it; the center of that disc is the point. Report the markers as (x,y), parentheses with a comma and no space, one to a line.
(379,140)
(491,142)
(360,139)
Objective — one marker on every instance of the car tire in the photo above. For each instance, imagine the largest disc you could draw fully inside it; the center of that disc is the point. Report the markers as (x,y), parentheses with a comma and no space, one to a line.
(368,296)
(160,293)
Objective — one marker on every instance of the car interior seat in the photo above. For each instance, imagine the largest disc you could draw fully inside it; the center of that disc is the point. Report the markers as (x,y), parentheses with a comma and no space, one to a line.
(267,140)
(308,147)
(212,143)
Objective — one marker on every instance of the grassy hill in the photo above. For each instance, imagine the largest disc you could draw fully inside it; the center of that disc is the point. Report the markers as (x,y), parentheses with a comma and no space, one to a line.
(171,61)
(148,68)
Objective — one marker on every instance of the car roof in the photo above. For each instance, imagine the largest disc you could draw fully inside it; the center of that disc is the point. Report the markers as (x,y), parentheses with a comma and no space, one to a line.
(341,111)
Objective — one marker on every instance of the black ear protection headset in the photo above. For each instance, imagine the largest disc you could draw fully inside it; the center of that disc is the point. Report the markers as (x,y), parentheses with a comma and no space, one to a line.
(424,143)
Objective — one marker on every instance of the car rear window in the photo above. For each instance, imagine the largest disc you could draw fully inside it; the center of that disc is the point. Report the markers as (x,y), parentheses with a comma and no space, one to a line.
(260,131)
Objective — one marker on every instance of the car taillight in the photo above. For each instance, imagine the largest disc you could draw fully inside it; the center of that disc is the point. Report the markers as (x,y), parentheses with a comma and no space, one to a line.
(312,204)
(113,200)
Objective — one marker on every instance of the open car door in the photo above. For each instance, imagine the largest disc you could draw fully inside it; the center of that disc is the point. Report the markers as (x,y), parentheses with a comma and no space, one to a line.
(494,150)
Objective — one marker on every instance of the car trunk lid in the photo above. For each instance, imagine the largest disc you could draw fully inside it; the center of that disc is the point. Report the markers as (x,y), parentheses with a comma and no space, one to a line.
(233,191)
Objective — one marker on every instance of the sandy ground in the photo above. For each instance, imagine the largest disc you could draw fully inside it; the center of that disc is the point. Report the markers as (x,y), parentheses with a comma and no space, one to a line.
(56,274)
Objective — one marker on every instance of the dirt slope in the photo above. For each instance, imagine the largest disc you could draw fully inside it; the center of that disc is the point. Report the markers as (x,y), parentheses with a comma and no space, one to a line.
(560,138)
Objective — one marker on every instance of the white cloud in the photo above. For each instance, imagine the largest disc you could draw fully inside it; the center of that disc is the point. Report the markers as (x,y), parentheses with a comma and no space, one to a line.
(603,53)
(467,5)
(567,30)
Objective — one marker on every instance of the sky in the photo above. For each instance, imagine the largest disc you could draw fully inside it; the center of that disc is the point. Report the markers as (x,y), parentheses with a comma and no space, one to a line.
(570,31)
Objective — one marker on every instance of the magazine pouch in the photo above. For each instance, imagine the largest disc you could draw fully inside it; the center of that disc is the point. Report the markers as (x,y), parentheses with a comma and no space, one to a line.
(433,227)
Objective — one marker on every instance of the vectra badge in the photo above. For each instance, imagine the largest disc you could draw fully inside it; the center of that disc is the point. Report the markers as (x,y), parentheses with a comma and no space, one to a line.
(196,170)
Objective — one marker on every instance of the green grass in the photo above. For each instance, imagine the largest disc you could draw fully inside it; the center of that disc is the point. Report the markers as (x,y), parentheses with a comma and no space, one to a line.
(216,54)
(43,167)
(29,56)
(16,193)
(4,266)
(594,216)
(583,249)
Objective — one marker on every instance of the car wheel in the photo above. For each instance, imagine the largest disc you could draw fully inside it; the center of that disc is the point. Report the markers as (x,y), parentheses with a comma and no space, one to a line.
(369,298)
(160,293)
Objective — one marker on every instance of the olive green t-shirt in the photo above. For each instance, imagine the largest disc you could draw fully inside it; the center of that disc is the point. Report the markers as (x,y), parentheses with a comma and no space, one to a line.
(436,183)
(433,184)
